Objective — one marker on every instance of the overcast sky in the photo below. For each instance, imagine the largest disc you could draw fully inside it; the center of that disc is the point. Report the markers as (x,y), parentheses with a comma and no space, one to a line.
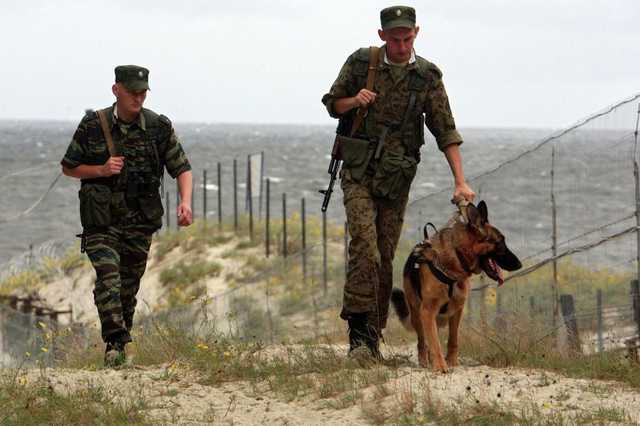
(505,62)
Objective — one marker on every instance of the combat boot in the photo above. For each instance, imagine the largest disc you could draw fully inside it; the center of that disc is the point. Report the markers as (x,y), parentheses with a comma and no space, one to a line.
(363,338)
(114,355)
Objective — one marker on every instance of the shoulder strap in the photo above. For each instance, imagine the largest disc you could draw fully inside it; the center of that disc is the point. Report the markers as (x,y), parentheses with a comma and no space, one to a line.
(102,116)
(374,53)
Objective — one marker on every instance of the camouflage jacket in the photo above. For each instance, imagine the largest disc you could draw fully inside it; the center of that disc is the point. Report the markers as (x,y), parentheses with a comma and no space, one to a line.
(149,144)
(393,92)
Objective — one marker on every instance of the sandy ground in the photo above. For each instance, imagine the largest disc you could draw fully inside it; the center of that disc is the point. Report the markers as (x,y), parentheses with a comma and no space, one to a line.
(173,394)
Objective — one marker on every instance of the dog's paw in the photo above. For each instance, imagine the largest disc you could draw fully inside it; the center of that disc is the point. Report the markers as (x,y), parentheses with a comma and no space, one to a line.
(440,368)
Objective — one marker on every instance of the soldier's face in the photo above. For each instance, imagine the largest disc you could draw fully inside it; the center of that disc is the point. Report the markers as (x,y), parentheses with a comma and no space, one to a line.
(129,102)
(399,42)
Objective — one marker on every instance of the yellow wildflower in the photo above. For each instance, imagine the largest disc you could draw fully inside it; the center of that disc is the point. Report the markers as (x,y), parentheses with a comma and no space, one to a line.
(44,349)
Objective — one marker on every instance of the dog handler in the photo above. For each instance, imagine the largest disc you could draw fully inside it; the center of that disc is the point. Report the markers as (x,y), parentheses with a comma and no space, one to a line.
(380,156)
(119,154)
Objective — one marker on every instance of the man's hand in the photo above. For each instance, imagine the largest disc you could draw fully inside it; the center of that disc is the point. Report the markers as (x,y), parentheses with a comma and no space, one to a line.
(364,98)
(185,215)
(462,191)
(113,166)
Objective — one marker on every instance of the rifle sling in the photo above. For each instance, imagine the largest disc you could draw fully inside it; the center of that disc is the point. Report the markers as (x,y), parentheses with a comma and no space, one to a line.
(102,116)
(104,123)
(374,54)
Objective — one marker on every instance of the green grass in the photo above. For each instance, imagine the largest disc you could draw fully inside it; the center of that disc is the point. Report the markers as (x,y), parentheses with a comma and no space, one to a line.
(195,238)
(321,372)
(37,403)
(528,345)
(184,280)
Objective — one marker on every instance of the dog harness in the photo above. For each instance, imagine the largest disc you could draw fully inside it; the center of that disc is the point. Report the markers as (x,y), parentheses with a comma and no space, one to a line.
(417,258)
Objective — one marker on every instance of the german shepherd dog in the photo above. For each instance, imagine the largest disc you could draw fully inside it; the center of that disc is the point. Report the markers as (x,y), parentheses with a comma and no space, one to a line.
(436,280)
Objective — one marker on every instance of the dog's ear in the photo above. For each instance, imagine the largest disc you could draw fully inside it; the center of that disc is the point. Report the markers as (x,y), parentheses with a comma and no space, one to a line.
(474,216)
(484,213)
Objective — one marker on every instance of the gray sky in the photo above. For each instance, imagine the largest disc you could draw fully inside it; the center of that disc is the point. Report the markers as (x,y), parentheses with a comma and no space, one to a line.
(506,62)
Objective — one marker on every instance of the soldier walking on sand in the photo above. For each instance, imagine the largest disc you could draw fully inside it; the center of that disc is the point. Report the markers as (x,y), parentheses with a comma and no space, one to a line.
(119,153)
(380,154)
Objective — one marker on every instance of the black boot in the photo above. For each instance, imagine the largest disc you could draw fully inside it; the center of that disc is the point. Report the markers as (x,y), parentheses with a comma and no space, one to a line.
(114,354)
(361,333)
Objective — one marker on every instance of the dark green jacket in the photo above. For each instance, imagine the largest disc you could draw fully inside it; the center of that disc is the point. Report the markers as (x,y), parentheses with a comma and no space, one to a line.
(149,145)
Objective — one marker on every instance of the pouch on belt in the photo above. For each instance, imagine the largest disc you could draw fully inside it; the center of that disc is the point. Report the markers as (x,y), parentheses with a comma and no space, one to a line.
(394,174)
(95,206)
(356,154)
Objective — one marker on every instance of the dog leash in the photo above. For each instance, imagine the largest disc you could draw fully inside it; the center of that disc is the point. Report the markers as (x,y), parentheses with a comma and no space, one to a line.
(462,208)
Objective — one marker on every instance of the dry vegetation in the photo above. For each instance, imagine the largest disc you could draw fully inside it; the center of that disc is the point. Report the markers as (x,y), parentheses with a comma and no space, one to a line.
(293,354)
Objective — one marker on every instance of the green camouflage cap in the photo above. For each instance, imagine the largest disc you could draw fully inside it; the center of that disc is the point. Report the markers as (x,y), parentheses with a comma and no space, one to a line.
(133,77)
(398,16)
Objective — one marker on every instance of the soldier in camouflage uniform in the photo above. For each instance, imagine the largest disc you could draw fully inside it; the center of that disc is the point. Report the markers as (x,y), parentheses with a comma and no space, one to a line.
(408,91)
(120,205)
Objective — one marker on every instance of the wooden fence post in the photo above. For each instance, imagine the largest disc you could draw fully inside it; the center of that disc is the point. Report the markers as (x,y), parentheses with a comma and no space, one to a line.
(284,225)
(219,196)
(267,236)
(235,195)
(204,196)
(303,217)
(600,319)
(635,302)
(569,315)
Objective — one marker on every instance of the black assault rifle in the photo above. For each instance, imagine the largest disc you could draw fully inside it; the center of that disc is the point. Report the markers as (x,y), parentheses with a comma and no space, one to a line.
(334,168)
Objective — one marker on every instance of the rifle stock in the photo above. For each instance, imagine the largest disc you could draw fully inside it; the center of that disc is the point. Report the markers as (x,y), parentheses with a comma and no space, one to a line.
(334,168)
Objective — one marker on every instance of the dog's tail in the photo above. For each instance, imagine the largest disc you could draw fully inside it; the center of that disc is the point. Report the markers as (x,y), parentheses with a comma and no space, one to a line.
(401,307)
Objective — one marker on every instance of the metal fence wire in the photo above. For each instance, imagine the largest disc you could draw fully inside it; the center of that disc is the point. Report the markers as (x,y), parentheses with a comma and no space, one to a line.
(568,207)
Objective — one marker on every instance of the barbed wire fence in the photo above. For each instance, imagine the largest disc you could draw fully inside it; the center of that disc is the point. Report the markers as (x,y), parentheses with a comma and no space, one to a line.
(569,209)
(299,278)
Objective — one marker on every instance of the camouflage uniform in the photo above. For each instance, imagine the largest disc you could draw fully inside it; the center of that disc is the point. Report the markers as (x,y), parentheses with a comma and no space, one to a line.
(119,252)
(375,222)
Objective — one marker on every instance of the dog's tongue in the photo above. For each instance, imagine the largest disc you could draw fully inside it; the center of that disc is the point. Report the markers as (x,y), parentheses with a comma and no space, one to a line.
(500,277)
(498,271)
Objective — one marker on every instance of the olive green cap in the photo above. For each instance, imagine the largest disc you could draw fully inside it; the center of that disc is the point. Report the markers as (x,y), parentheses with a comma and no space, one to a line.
(398,16)
(132,77)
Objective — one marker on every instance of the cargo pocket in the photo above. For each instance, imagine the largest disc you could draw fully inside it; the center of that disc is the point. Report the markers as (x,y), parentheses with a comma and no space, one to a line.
(151,207)
(393,175)
(118,205)
(355,155)
(95,209)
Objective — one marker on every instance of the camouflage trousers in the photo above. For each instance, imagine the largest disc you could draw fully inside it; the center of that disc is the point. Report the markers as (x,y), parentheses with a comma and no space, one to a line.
(374,226)
(119,257)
